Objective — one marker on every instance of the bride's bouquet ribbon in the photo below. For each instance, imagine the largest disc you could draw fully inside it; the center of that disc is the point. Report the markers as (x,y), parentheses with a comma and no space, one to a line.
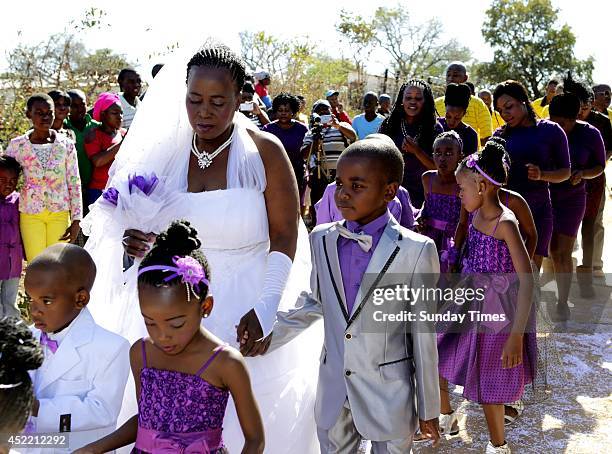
(137,201)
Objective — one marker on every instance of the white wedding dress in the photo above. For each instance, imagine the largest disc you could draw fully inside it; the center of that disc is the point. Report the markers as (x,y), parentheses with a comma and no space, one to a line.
(233,227)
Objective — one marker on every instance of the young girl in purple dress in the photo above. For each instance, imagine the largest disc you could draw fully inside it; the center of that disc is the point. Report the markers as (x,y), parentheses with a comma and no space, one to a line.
(440,215)
(493,364)
(184,375)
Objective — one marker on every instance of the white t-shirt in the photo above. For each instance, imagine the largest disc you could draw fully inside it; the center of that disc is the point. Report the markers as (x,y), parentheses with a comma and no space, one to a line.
(128,111)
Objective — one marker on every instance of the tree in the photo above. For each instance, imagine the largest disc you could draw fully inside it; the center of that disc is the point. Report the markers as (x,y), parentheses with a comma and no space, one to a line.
(529,45)
(414,50)
(61,61)
(297,66)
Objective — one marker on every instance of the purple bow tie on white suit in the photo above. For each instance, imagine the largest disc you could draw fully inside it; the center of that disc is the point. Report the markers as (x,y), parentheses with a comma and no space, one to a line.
(50,343)
(364,241)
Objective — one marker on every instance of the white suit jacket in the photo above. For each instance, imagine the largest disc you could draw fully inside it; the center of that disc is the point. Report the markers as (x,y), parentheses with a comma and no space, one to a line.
(85,378)
(388,371)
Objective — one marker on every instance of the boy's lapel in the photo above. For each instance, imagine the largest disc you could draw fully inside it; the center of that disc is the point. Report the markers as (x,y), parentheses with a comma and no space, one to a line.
(330,248)
(386,247)
(66,357)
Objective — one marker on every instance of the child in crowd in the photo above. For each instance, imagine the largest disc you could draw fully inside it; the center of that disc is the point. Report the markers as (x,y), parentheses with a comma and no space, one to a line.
(442,208)
(456,102)
(400,207)
(130,85)
(61,102)
(19,353)
(50,200)
(517,204)
(79,388)
(493,366)
(184,375)
(369,379)
(11,247)
(80,122)
(103,143)
(369,121)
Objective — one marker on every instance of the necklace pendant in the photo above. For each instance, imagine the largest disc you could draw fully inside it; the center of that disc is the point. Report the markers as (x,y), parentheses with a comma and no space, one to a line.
(204,161)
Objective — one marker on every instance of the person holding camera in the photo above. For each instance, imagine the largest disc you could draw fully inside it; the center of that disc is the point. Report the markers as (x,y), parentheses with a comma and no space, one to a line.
(251,108)
(323,144)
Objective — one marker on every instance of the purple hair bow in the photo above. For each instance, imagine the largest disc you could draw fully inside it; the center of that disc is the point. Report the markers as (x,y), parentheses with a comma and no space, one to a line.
(191,272)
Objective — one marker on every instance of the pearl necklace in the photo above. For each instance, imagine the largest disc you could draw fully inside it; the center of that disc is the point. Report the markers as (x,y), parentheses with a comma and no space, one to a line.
(205,159)
(405,132)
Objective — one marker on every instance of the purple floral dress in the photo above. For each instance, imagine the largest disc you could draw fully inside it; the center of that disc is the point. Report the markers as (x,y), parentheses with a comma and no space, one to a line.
(472,357)
(179,412)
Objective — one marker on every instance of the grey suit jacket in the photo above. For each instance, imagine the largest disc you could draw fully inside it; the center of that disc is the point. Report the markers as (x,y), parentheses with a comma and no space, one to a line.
(388,371)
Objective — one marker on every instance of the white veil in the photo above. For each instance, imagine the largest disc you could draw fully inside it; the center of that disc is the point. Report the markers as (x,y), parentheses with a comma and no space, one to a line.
(159,141)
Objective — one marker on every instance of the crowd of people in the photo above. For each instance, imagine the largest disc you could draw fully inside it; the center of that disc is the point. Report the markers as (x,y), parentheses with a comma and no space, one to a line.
(214,304)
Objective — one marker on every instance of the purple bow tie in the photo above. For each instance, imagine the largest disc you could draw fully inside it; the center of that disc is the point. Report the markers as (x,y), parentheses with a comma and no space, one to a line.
(50,343)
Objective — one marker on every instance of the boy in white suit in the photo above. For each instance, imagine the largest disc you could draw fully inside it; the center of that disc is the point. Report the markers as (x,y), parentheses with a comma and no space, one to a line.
(79,388)
(371,374)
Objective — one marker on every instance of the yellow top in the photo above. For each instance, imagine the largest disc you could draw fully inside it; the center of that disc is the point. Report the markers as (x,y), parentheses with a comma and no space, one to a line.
(541,112)
(497,120)
(477,116)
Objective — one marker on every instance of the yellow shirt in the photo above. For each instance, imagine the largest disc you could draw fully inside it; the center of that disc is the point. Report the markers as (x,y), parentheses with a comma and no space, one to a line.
(497,120)
(477,116)
(541,112)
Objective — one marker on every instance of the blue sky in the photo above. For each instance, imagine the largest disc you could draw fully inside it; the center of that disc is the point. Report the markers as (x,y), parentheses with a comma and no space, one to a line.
(139,29)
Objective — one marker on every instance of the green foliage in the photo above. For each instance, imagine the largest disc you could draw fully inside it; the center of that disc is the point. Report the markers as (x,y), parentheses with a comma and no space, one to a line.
(414,50)
(61,61)
(297,66)
(13,121)
(529,45)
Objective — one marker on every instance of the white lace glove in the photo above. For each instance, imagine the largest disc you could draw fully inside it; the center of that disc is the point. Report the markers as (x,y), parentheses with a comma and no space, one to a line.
(277,274)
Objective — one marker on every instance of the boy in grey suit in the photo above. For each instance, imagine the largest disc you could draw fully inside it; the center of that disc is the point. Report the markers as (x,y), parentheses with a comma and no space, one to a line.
(372,372)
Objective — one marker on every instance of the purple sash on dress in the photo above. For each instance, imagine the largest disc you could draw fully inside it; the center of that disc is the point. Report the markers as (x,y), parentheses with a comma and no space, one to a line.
(186,443)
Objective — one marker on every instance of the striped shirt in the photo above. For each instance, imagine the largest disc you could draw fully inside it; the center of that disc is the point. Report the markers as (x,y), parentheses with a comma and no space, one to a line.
(128,110)
(334,144)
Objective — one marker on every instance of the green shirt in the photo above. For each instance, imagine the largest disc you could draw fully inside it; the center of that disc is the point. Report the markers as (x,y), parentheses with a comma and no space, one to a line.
(85,165)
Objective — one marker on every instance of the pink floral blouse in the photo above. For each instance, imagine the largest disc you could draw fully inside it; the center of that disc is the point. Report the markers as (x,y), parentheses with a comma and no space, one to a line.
(54,185)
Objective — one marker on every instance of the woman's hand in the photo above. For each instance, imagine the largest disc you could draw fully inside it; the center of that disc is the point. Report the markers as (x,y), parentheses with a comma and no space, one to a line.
(71,232)
(533,172)
(410,145)
(256,108)
(137,243)
(512,354)
(576,177)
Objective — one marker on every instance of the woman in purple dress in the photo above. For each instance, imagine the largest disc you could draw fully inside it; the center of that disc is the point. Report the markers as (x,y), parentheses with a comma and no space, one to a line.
(492,361)
(588,159)
(539,153)
(413,127)
(290,132)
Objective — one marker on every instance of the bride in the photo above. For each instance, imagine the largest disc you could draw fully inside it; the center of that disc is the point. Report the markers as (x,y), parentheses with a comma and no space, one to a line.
(237,189)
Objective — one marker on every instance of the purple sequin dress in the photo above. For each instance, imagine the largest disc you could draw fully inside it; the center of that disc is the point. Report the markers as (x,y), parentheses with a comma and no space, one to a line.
(472,358)
(179,412)
(440,216)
